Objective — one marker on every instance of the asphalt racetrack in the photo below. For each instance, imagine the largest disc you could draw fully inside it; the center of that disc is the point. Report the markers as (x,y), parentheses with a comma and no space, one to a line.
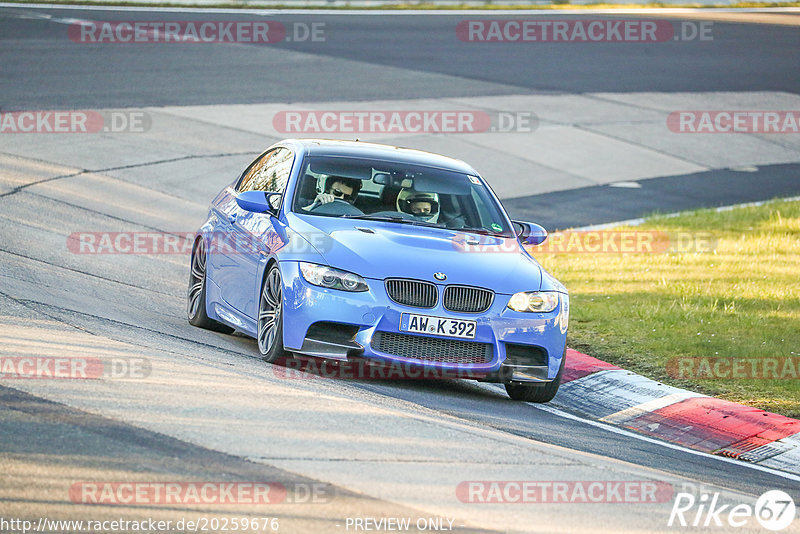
(590,142)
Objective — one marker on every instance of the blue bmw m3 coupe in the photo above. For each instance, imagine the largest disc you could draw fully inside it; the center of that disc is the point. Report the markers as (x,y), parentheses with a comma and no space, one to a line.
(353,251)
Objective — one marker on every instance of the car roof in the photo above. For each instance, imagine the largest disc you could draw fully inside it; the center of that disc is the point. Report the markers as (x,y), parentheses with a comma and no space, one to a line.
(359,149)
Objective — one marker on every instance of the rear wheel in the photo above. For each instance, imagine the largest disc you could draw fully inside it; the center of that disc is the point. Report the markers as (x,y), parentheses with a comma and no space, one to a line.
(270,317)
(537,392)
(196,295)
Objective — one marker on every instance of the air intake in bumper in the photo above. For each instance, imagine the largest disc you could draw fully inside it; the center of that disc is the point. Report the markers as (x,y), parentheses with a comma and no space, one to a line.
(432,349)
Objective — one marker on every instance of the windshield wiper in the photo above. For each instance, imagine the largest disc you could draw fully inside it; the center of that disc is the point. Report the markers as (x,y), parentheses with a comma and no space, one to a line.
(374,218)
(400,220)
(479,230)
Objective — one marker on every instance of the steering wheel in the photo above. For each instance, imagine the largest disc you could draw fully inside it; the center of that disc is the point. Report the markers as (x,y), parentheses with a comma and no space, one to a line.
(337,207)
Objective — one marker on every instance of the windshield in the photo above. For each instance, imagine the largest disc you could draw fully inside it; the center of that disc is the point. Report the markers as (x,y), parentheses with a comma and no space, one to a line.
(397,192)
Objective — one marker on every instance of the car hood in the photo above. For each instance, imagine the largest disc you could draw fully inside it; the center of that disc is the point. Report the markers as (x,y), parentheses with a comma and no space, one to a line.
(380,250)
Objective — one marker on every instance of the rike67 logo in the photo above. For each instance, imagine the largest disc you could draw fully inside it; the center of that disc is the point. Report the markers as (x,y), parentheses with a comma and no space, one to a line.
(774,510)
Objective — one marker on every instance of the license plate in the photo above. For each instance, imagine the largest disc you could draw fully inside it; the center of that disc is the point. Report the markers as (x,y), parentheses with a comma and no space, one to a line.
(440,326)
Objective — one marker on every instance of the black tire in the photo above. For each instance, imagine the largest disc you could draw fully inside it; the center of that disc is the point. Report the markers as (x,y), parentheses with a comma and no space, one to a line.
(270,317)
(196,294)
(540,393)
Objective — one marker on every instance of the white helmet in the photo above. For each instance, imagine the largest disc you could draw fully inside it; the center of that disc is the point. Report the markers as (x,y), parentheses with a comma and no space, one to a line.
(423,206)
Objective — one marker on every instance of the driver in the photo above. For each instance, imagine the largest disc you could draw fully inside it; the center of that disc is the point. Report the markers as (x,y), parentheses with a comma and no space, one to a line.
(338,188)
(423,206)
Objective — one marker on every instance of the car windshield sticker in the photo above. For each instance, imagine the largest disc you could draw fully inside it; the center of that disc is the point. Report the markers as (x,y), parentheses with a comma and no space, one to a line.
(474,180)
(496,227)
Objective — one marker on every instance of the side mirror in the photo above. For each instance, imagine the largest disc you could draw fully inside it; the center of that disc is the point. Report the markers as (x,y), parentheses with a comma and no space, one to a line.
(257,201)
(530,233)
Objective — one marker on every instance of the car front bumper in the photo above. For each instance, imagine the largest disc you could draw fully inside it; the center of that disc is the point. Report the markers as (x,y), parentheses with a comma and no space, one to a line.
(365,320)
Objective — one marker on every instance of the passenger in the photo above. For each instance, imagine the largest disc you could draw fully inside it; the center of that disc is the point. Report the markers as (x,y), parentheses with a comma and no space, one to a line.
(423,206)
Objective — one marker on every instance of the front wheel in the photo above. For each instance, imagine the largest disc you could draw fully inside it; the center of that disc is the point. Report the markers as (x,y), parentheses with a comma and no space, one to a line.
(270,317)
(539,393)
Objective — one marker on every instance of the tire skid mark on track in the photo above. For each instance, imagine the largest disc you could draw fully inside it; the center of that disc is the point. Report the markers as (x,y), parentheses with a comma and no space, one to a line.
(101,213)
(26,304)
(19,188)
(138,225)
(104,298)
(154,454)
(123,167)
(36,306)
(77,271)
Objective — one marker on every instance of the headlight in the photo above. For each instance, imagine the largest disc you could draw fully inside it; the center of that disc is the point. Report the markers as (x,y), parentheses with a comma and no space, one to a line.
(534,301)
(324,276)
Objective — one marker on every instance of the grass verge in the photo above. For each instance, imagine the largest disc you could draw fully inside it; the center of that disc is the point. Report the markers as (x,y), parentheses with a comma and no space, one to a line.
(739,300)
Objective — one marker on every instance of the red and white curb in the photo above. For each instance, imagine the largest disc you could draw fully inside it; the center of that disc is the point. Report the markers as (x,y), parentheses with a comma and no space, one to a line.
(604,392)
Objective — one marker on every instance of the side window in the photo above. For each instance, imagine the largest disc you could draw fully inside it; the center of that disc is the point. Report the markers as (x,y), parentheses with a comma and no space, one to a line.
(270,173)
